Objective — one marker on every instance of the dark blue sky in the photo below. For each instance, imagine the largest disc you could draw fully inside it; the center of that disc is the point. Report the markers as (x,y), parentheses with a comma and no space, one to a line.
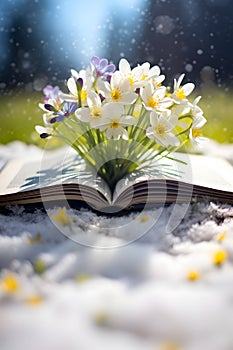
(43,39)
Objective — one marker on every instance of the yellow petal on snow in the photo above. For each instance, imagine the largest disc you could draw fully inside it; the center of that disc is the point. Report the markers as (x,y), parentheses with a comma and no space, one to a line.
(193,275)
(34,300)
(219,257)
(61,217)
(9,284)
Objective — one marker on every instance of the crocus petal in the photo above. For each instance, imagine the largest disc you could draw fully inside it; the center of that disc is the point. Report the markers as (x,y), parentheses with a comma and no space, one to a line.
(71,84)
(124,133)
(115,80)
(124,66)
(199,121)
(93,99)
(95,61)
(147,92)
(103,63)
(74,74)
(180,80)
(40,129)
(128,97)
(170,139)
(197,99)
(154,71)
(154,118)
(127,120)
(188,88)
(83,114)
(104,88)
(160,92)
(150,133)
(67,97)
(110,68)
(113,110)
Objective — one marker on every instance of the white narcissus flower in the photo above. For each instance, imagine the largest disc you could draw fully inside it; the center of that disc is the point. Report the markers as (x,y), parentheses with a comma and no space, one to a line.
(199,121)
(181,92)
(197,113)
(152,74)
(134,75)
(51,105)
(115,121)
(161,128)
(86,83)
(155,99)
(118,90)
(94,113)
(196,137)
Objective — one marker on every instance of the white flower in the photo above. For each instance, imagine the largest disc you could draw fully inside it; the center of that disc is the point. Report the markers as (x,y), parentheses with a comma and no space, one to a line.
(74,89)
(152,74)
(134,75)
(155,99)
(161,129)
(198,119)
(51,106)
(118,90)
(44,132)
(94,113)
(115,121)
(181,92)
(196,137)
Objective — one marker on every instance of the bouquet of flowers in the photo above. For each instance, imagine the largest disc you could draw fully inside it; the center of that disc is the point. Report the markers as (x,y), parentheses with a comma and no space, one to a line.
(121,120)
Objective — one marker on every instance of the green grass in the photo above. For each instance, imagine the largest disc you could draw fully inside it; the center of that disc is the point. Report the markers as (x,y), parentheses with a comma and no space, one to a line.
(218,110)
(19,113)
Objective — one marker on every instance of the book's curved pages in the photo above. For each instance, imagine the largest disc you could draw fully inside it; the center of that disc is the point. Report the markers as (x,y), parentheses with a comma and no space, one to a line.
(62,177)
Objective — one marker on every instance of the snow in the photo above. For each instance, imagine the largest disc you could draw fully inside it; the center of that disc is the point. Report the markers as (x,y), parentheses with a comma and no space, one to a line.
(116,283)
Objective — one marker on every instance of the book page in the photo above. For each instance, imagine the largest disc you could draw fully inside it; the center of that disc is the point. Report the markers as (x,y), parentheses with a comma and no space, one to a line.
(210,172)
(62,166)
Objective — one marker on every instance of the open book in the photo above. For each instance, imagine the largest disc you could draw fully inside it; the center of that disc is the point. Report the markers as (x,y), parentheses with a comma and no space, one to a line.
(61,177)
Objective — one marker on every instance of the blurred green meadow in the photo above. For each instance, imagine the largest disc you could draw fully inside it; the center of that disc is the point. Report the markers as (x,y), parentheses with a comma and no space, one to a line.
(19,113)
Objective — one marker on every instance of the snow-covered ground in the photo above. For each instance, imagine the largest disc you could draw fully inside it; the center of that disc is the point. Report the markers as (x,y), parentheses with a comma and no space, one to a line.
(77,281)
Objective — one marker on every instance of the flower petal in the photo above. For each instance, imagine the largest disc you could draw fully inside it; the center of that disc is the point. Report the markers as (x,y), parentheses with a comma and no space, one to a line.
(83,114)
(124,66)
(71,84)
(127,120)
(188,88)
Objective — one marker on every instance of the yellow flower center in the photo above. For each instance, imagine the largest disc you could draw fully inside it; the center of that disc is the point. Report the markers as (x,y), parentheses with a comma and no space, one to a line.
(180,93)
(96,113)
(144,76)
(131,80)
(114,124)
(83,95)
(196,132)
(116,95)
(151,102)
(160,129)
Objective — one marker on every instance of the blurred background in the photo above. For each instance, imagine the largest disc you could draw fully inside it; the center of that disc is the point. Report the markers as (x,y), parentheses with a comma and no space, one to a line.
(40,40)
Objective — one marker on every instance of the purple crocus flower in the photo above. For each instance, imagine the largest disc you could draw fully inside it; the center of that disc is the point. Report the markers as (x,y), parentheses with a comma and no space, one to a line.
(51,93)
(102,67)
(67,109)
